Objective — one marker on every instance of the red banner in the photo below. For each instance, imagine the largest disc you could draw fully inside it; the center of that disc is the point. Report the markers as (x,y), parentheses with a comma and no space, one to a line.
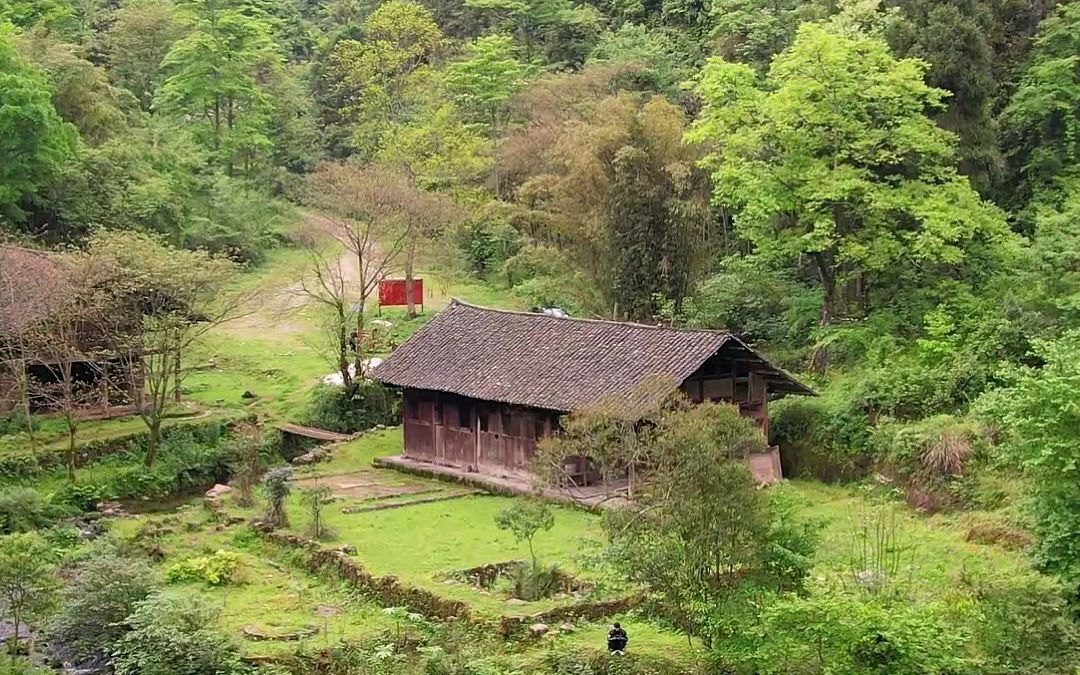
(392,292)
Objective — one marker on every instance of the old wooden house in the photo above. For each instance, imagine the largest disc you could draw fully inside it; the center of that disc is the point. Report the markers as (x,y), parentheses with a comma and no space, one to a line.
(35,287)
(481,386)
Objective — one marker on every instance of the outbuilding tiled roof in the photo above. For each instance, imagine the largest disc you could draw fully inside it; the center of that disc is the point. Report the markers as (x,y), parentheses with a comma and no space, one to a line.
(31,283)
(554,363)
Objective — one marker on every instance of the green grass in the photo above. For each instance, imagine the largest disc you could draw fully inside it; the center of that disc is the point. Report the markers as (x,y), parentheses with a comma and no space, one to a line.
(421,543)
(271,596)
(357,455)
(935,555)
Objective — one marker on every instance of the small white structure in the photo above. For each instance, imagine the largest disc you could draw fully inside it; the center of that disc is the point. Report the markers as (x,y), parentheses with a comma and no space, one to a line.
(336,379)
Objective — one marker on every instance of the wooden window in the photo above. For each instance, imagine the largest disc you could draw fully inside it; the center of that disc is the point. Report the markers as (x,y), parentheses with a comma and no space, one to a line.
(464,418)
(484,420)
(507,423)
(412,408)
(538,427)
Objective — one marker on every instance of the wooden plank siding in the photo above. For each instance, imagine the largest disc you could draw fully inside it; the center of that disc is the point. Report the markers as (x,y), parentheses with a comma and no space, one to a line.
(473,435)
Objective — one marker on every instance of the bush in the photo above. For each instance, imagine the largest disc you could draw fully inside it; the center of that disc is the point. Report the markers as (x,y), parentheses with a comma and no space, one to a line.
(175,636)
(535,581)
(244,224)
(1040,412)
(486,244)
(837,632)
(23,509)
(102,593)
(220,569)
(347,410)
(930,455)
(825,437)
(792,543)
(1025,625)
(278,483)
(190,460)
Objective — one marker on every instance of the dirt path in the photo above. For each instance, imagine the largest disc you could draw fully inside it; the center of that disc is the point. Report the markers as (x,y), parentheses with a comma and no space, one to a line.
(283,308)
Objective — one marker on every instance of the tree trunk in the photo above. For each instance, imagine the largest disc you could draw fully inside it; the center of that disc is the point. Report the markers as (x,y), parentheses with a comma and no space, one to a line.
(71,450)
(24,386)
(343,349)
(410,300)
(358,360)
(820,358)
(176,379)
(494,144)
(155,440)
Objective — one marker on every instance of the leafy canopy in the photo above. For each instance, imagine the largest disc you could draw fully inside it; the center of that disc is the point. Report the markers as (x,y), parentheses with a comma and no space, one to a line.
(34,141)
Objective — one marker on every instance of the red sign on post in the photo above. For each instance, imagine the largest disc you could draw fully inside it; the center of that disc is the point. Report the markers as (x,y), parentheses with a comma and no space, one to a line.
(392,292)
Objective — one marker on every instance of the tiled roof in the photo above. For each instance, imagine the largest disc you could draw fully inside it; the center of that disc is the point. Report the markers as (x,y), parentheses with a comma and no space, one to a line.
(554,363)
(31,282)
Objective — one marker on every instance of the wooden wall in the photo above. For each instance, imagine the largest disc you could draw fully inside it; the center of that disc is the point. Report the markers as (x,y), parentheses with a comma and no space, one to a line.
(473,435)
(727,380)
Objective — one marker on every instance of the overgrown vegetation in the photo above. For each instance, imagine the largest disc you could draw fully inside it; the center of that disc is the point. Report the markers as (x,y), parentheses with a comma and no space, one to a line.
(881,195)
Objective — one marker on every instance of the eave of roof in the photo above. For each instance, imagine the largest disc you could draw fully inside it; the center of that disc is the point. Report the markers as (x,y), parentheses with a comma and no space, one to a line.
(518,357)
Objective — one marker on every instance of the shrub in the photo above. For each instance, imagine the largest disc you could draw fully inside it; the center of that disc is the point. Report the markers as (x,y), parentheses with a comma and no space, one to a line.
(362,406)
(535,582)
(27,581)
(23,509)
(1040,412)
(220,569)
(245,449)
(175,636)
(825,437)
(278,484)
(20,666)
(525,518)
(102,592)
(486,244)
(316,499)
(792,543)
(835,632)
(1024,625)
(930,455)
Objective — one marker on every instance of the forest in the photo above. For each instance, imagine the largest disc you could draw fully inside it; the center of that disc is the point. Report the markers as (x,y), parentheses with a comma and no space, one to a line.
(883,196)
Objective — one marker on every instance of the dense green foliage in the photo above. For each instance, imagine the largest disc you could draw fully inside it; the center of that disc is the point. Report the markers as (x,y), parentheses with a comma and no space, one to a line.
(103,592)
(174,636)
(361,406)
(880,195)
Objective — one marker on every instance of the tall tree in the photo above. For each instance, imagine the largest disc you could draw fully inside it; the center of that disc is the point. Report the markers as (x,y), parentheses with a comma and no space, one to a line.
(616,187)
(558,31)
(165,300)
(214,77)
(484,81)
(831,157)
(140,36)
(356,202)
(34,140)
(374,79)
(82,93)
(1042,120)
(954,38)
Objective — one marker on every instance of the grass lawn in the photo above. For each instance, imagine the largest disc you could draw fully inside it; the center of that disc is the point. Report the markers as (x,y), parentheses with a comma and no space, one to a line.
(934,554)
(422,542)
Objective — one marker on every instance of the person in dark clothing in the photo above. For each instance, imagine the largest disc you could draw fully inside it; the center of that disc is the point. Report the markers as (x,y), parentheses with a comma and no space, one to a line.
(617,639)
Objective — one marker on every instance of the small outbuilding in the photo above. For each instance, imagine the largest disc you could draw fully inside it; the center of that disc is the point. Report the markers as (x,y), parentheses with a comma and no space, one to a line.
(482,386)
(33,288)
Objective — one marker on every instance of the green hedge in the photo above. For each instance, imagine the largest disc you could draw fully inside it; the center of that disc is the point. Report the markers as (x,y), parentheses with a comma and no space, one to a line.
(32,461)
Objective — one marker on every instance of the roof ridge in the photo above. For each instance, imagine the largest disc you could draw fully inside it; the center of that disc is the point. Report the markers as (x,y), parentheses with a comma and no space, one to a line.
(633,324)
